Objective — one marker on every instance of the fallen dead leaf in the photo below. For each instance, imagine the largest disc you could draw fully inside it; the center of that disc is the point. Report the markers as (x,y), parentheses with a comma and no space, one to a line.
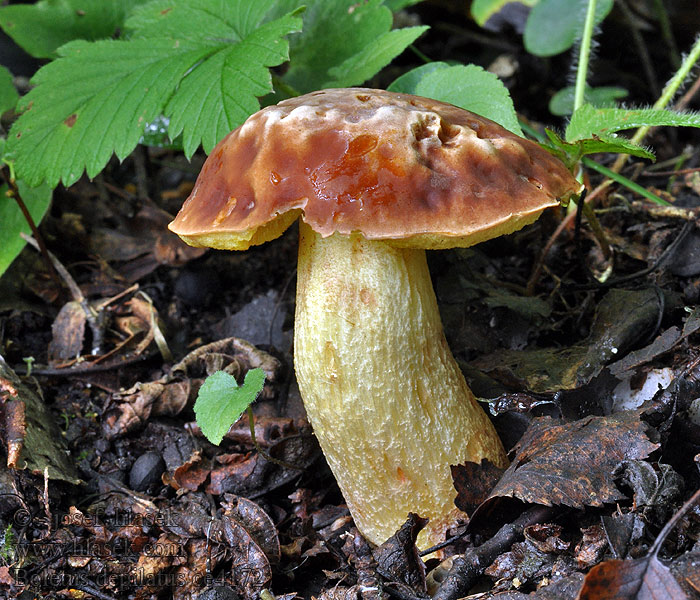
(571,463)
(640,579)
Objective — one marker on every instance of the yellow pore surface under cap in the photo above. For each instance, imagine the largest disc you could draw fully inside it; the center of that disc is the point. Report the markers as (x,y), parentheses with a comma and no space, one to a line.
(387,401)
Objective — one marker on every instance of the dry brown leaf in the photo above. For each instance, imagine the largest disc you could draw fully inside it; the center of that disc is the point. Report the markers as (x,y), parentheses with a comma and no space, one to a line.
(572,463)
(68,332)
(257,523)
(640,579)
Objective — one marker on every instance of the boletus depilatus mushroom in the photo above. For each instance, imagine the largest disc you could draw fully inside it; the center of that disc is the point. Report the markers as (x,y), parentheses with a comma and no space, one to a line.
(375,179)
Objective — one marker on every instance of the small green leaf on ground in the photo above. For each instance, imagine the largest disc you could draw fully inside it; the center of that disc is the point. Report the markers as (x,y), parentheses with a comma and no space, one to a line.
(12,221)
(97,97)
(221,401)
(466,86)
(588,121)
(554,25)
(8,92)
(43,27)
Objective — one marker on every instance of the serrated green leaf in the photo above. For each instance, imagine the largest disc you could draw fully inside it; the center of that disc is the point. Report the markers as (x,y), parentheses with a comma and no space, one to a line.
(335,33)
(572,152)
(588,120)
(215,22)
(12,221)
(43,27)
(223,91)
(472,88)
(362,66)
(406,83)
(221,401)
(483,10)
(554,25)
(562,103)
(616,145)
(96,98)
(92,102)
(8,92)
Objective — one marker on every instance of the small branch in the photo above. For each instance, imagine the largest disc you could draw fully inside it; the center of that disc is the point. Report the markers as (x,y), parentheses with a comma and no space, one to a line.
(467,568)
(90,314)
(13,192)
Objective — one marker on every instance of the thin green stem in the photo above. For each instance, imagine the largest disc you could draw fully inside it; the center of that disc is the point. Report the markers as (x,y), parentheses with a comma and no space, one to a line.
(261,450)
(667,32)
(284,87)
(672,86)
(622,180)
(667,95)
(424,57)
(584,54)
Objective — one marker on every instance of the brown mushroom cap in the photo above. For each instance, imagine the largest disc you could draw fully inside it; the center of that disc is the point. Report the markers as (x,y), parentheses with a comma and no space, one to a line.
(408,170)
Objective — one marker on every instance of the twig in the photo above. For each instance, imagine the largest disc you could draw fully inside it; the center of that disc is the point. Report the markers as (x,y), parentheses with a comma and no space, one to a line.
(467,568)
(13,192)
(261,450)
(90,314)
(668,252)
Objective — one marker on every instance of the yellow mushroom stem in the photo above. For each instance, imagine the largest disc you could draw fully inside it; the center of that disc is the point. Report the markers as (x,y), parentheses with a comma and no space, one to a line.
(387,401)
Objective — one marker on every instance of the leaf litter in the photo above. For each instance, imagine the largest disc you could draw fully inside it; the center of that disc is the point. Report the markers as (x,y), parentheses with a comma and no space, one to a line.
(587,494)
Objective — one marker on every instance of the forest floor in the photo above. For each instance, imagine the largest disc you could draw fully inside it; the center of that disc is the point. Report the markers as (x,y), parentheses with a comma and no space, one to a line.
(589,355)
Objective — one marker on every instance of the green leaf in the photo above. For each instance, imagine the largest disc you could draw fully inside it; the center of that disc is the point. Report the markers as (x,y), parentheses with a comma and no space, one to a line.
(472,88)
(97,97)
(554,25)
(562,103)
(338,35)
(397,5)
(93,101)
(571,152)
(368,62)
(43,27)
(12,221)
(221,401)
(588,121)
(406,83)
(8,92)
(223,91)
(483,10)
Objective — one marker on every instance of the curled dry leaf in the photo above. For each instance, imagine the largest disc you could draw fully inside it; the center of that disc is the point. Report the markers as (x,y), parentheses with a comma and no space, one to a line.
(640,579)
(398,559)
(583,454)
(257,523)
(254,476)
(67,334)
(250,567)
(474,482)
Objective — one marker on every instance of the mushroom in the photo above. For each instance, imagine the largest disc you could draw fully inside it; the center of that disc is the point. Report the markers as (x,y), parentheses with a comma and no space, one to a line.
(377,178)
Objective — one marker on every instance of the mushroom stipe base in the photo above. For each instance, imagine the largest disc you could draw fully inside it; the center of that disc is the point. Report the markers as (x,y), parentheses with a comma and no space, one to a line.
(388,403)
